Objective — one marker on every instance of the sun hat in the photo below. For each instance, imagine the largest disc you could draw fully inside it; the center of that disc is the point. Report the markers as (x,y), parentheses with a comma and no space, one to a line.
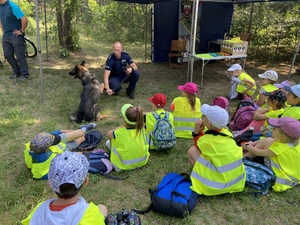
(42,141)
(269,74)
(123,111)
(293,89)
(282,84)
(216,115)
(159,100)
(235,67)
(68,168)
(277,95)
(290,126)
(190,88)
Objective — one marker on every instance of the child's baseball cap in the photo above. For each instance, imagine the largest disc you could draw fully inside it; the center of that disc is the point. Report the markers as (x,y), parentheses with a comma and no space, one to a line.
(277,95)
(282,84)
(290,126)
(159,100)
(234,67)
(190,88)
(68,168)
(123,111)
(42,141)
(216,115)
(269,74)
(293,89)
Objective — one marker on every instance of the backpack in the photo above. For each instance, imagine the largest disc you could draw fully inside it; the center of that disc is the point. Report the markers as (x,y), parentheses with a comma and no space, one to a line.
(123,217)
(163,135)
(172,196)
(223,102)
(243,115)
(99,162)
(92,139)
(258,176)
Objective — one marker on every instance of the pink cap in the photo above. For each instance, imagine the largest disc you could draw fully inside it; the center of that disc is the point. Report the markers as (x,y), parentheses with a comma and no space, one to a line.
(190,88)
(282,84)
(289,125)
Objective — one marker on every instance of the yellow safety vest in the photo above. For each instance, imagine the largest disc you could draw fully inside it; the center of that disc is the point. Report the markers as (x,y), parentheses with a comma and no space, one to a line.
(92,215)
(39,170)
(219,168)
(129,151)
(240,88)
(185,117)
(293,111)
(150,123)
(286,165)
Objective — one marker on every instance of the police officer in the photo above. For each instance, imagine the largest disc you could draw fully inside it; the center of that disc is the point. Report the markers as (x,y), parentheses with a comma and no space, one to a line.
(116,71)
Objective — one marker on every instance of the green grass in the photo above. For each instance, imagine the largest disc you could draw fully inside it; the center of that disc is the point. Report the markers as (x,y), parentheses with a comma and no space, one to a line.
(23,114)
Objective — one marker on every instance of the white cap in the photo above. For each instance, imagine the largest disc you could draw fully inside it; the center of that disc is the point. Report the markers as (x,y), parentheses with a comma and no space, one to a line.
(216,115)
(235,67)
(269,74)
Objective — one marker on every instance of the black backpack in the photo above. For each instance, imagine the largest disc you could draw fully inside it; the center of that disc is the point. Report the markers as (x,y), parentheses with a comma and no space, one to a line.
(124,217)
(92,139)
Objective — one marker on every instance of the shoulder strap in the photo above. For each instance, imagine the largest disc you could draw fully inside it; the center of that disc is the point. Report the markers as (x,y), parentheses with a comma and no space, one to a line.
(215,133)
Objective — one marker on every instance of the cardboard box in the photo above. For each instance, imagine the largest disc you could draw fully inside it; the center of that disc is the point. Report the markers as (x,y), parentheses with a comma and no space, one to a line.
(234,48)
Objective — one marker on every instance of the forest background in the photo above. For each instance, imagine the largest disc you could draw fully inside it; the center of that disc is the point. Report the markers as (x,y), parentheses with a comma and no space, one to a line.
(94,26)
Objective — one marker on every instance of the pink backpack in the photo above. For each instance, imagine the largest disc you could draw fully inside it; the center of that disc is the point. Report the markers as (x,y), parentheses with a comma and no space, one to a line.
(243,115)
(223,102)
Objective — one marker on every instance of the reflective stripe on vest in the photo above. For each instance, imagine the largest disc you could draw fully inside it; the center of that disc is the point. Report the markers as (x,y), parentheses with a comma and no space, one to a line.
(186,119)
(129,162)
(185,128)
(283,181)
(215,184)
(220,169)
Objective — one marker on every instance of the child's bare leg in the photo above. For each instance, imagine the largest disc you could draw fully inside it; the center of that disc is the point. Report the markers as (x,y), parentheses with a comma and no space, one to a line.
(193,154)
(75,135)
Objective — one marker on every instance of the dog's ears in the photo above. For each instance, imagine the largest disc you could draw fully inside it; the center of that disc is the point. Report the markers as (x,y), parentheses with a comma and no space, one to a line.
(82,63)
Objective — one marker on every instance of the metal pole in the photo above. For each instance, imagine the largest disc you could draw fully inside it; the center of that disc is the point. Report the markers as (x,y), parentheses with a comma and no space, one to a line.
(46,30)
(39,47)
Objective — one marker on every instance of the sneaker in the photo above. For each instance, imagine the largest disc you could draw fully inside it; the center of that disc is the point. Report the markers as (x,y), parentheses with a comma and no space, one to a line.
(129,94)
(14,76)
(107,144)
(22,77)
(89,126)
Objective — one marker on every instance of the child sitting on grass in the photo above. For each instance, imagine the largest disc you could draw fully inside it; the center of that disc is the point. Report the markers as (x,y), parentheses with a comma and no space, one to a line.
(276,103)
(158,101)
(283,151)
(128,145)
(45,146)
(246,86)
(267,80)
(186,110)
(67,175)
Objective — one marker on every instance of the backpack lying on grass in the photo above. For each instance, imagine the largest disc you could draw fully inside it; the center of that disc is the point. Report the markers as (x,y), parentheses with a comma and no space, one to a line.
(258,176)
(123,217)
(172,196)
(163,135)
(92,139)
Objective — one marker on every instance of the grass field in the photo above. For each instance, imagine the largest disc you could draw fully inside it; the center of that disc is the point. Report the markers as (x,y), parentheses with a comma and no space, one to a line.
(23,114)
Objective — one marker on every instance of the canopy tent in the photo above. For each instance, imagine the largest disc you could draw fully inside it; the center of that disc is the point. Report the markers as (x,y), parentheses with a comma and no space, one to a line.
(216,16)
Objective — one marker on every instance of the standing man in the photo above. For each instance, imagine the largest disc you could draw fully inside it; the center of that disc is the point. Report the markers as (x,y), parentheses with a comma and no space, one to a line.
(116,72)
(13,24)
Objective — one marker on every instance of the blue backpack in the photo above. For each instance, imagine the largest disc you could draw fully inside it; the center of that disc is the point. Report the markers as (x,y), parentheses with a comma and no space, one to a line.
(172,196)
(163,135)
(92,139)
(258,176)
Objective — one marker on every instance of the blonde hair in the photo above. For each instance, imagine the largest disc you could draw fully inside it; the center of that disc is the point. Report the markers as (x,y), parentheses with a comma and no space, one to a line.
(192,100)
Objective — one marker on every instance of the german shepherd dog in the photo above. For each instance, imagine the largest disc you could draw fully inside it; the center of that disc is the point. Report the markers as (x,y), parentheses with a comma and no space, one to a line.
(88,109)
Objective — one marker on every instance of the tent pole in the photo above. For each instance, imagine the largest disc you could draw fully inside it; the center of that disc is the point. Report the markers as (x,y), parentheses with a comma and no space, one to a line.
(146,12)
(39,47)
(46,30)
(295,56)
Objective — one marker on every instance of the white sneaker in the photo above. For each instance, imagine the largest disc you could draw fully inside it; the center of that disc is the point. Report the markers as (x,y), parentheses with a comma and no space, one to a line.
(107,144)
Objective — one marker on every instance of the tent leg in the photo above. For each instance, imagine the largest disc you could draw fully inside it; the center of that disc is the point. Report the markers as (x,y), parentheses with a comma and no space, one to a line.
(295,56)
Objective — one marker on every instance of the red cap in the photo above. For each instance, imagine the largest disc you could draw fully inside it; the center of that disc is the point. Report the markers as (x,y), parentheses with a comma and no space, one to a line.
(159,100)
